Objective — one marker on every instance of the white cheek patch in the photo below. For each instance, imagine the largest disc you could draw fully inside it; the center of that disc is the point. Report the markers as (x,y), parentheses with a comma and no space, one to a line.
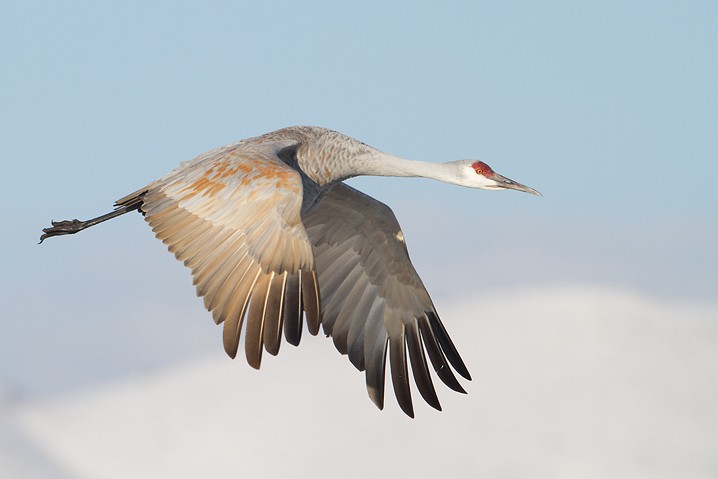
(400,236)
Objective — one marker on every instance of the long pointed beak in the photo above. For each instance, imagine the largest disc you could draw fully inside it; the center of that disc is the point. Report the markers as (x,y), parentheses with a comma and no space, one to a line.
(505,183)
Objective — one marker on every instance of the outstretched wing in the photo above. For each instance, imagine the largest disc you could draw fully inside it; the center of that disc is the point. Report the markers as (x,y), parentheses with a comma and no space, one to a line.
(372,297)
(232,215)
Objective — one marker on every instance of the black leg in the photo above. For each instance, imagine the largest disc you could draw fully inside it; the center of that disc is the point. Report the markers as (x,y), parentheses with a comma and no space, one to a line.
(69,227)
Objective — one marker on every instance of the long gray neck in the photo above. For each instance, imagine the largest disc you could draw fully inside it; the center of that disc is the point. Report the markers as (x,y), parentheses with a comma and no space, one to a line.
(327,156)
(372,162)
(378,163)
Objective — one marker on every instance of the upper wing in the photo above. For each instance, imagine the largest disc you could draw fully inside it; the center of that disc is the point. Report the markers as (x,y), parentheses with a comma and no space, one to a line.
(372,296)
(233,216)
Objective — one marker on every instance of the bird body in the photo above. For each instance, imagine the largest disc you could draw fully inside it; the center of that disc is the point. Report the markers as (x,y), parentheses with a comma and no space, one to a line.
(273,236)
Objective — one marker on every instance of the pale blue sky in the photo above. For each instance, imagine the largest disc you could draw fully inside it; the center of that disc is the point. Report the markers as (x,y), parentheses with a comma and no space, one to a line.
(609,108)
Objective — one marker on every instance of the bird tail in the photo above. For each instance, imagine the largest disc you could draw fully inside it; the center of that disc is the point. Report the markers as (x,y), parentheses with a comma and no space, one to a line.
(135,198)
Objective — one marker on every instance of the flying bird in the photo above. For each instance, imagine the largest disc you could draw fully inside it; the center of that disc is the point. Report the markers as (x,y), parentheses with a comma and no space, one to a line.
(274,237)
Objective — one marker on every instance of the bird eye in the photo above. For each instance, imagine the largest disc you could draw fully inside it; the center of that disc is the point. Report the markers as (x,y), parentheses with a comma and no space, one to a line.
(482,168)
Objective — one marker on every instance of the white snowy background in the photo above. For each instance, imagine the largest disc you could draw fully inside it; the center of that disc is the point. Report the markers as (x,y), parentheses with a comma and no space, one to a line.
(588,318)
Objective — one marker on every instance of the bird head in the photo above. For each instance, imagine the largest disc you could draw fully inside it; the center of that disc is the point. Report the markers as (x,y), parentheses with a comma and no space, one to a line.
(477,174)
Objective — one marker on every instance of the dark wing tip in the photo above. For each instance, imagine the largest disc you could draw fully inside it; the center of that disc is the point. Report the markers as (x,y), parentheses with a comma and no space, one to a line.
(310,300)
(437,357)
(452,354)
(293,310)
(422,377)
(375,373)
(400,374)
(274,314)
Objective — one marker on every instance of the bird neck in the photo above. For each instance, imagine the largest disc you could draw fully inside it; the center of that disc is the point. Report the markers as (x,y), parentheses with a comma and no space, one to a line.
(326,157)
(377,163)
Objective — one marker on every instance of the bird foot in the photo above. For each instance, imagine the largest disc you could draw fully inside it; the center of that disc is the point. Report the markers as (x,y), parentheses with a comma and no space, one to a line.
(68,227)
(65,227)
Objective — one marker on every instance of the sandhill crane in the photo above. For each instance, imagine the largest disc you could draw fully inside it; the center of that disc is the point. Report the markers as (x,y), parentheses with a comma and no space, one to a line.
(272,234)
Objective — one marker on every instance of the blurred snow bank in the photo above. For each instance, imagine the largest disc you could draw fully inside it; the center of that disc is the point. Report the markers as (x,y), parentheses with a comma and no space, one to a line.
(568,382)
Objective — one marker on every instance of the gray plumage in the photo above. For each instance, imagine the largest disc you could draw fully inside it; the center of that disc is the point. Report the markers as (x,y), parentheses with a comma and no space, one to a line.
(273,237)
